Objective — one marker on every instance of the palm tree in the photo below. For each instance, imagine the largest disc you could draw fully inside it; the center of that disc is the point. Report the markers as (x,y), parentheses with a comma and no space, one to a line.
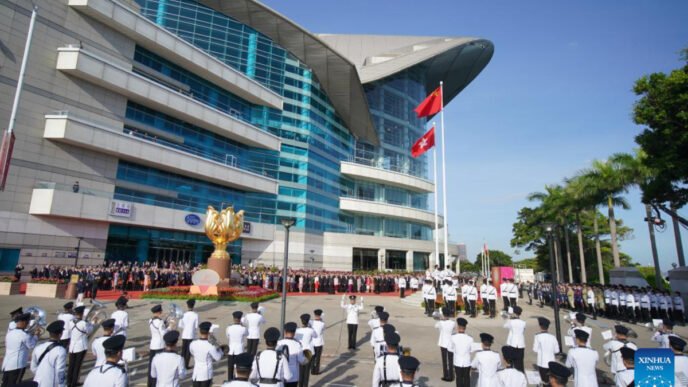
(580,200)
(607,180)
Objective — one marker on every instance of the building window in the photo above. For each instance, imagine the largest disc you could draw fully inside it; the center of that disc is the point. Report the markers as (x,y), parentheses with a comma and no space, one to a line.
(364,259)
(396,260)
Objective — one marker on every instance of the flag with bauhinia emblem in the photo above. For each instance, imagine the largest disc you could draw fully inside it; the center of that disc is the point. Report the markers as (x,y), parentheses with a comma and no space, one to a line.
(424,143)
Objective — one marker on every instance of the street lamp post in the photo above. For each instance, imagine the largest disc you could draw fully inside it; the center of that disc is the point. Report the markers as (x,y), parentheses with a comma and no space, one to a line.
(78,248)
(549,231)
(287,223)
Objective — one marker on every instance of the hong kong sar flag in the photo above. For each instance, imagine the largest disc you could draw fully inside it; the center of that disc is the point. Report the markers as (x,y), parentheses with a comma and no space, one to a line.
(424,143)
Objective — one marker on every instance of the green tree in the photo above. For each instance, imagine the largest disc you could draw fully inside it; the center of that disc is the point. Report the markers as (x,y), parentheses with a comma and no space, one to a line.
(497,258)
(663,110)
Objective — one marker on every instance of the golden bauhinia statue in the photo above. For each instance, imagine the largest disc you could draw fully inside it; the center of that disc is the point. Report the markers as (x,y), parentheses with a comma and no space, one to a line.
(222,228)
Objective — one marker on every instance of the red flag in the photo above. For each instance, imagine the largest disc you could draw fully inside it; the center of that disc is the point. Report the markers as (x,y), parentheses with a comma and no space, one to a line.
(424,143)
(431,105)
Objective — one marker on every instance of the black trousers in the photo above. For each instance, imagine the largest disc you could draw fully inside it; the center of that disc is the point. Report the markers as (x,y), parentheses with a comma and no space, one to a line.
(205,383)
(463,376)
(486,307)
(447,364)
(304,374)
(678,316)
(544,375)
(352,328)
(519,355)
(471,305)
(252,346)
(505,300)
(315,367)
(430,306)
(230,367)
(75,360)
(151,354)
(13,377)
(401,292)
(451,305)
(513,302)
(291,384)
(186,354)
(493,308)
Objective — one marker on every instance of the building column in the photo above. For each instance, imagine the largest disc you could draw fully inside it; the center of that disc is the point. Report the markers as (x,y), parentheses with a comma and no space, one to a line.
(142,250)
(381,259)
(409,260)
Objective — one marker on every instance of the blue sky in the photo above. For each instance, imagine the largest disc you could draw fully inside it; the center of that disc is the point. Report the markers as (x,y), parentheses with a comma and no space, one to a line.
(556,95)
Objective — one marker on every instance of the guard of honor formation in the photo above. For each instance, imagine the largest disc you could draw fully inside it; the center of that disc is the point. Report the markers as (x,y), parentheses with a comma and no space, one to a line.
(290,360)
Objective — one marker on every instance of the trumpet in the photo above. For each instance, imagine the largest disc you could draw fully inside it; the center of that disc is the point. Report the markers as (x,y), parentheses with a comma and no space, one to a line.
(38,321)
(173,316)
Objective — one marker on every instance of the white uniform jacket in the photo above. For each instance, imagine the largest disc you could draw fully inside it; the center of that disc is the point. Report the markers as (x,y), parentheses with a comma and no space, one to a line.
(157,331)
(546,346)
(236,334)
(50,371)
(386,369)
(446,329)
(18,345)
(583,360)
(204,355)
(296,357)
(253,321)
(511,377)
(319,328)
(107,375)
(79,330)
(516,328)
(461,345)
(121,322)
(614,347)
(305,336)
(487,363)
(268,365)
(189,325)
(352,311)
(168,369)
(98,350)
(66,317)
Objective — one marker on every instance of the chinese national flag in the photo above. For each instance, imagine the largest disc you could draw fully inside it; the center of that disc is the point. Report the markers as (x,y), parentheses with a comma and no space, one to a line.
(424,143)
(431,105)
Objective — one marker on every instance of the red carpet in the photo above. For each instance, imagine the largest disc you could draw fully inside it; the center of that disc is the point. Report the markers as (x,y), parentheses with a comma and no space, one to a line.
(112,295)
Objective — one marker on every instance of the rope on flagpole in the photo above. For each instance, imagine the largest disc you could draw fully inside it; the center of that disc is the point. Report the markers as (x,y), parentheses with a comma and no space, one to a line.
(444,185)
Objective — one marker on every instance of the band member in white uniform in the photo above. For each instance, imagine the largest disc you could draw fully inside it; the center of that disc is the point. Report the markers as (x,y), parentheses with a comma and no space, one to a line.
(318,326)
(97,348)
(516,337)
(664,333)
(625,377)
(579,323)
(78,345)
(408,366)
(374,320)
(487,362)
(472,297)
(49,359)
(461,346)
(204,354)
(429,294)
(558,374)
(449,294)
(110,374)
(377,337)
(18,346)
(352,311)
(157,329)
(271,367)
(546,346)
(510,376)
(253,321)
(386,370)
(242,364)
(236,334)
(67,316)
(188,324)
(483,296)
(121,317)
(446,327)
(583,359)
(305,335)
(614,347)
(492,298)
(677,345)
(294,352)
(13,315)
(512,292)
(168,367)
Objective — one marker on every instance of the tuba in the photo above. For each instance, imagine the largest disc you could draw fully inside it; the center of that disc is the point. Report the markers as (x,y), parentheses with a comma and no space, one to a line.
(173,316)
(95,315)
(38,322)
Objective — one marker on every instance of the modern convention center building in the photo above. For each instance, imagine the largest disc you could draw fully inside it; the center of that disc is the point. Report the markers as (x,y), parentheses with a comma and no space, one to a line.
(136,115)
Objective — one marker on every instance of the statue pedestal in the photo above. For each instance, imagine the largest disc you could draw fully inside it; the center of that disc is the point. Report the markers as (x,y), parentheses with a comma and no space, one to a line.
(221,266)
(626,276)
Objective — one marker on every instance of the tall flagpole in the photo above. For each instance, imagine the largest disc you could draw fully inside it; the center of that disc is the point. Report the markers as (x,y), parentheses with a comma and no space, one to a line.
(444,186)
(437,227)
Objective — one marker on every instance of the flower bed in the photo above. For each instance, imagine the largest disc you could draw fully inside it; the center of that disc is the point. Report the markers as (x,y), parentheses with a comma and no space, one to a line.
(242,294)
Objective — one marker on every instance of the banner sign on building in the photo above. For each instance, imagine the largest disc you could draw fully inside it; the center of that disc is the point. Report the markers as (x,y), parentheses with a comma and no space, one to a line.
(120,208)
(654,367)
(247,228)
(192,220)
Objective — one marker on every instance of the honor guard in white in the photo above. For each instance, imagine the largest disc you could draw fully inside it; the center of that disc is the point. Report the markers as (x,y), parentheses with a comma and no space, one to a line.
(446,327)
(188,324)
(429,295)
(270,366)
(461,346)
(294,352)
(110,374)
(558,374)
(377,337)
(402,286)
(449,294)
(513,293)
(590,298)
(13,315)
(236,334)
(97,345)
(204,354)
(374,320)
(472,297)
(583,360)
(318,326)
(666,330)
(504,292)
(625,377)
(677,345)
(158,329)
(306,335)
(546,346)
(67,316)
(386,371)
(18,346)
(483,296)
(121,317)
(408,366)
(614,347)
(516,338)
(168,367)
(579,324)
(491,298)
(510,376)
(487,362)
(352,310)
(78,345)
(49,359)
(679,308)
(253,321)
(242,364)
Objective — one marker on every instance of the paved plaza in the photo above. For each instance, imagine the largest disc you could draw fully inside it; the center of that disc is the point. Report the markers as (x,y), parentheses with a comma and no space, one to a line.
(340,367)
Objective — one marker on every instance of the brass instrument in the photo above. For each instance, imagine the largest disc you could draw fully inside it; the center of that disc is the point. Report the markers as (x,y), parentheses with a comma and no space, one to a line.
(173,316)
(38,322)
(608,358)
(95,315)
(308,354)
(406,351)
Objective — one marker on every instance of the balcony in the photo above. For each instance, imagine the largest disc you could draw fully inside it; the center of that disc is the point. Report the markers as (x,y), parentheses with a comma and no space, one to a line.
(103,73)
(383,176)
(369,207)
(64,128)
(124,19)
(55,200)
